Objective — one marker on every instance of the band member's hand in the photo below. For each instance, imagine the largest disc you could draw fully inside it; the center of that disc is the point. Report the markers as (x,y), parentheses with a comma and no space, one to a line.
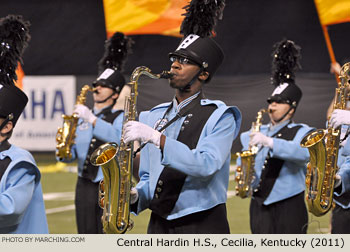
(335,68)
(136,131)
(84,113)
(337,180)
(259,138)
(134,195)
(339,117)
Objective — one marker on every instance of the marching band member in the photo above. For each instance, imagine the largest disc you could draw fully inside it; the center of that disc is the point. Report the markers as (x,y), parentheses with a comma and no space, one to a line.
(341,211)
(22,208)
(102,124)
(184,169)
(277,204)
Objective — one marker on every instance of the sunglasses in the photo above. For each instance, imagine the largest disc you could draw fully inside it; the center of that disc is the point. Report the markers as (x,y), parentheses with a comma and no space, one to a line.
(101,85)
(182,60)
(278,100)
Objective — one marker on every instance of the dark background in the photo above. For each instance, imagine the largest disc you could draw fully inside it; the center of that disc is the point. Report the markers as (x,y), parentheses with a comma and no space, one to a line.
(68,39)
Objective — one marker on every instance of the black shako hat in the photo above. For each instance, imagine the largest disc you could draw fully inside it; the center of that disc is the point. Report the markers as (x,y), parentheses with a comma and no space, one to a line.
(205,52)
(285,62)
(197,28)
(110,78)
(14,38)
(12,102)
(117,49)
(286,92)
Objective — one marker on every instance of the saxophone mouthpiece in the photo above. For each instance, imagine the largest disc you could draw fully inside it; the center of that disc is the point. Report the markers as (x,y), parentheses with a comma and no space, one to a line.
(166,75)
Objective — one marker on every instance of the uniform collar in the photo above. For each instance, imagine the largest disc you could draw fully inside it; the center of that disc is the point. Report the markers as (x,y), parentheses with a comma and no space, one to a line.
(278,126)
(184,103)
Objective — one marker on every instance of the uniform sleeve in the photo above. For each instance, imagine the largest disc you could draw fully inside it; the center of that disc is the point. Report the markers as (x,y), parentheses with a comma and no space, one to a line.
(344,173)
(210,154)
(109,132)
(14,200)
(291,150)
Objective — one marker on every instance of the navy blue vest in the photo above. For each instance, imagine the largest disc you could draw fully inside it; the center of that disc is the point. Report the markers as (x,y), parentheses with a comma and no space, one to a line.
(171,181)
(272,166)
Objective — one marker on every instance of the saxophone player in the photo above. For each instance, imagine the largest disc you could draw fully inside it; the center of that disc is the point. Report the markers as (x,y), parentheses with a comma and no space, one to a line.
(277,203)
(97,126)
(341,212)
(184,169)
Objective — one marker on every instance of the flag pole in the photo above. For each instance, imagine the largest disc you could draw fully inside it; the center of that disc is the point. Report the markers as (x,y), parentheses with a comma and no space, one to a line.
(330,48)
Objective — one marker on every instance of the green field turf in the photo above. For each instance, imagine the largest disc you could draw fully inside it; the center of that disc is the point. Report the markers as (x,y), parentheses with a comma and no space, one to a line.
(63,222)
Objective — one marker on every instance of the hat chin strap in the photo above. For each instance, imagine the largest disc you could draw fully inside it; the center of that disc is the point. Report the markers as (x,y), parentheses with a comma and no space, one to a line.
(188,86)
(7,119)
(106,98)
(291,107)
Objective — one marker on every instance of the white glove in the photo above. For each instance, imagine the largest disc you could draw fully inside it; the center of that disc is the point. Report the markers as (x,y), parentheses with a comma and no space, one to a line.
(337,181)
(134,195)
(339,117)
(259,138)
(141,132)
(84,113)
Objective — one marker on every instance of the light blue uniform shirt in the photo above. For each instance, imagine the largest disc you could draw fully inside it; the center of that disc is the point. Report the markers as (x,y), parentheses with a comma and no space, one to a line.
(344,168)
(22,209)
(206,166)
(291,179)
(105,131)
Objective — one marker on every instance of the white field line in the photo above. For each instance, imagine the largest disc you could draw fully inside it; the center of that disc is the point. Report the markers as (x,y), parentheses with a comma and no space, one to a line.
(60,209)
(59,196)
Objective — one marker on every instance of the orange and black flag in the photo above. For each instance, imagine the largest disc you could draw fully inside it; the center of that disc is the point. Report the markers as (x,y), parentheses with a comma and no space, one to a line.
(135,17)
(332,12)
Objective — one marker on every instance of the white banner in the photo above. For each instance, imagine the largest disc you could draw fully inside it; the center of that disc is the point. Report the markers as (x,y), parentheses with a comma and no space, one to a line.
(49,98)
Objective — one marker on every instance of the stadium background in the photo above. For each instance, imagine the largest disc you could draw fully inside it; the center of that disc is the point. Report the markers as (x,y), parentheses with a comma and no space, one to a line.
(68,38)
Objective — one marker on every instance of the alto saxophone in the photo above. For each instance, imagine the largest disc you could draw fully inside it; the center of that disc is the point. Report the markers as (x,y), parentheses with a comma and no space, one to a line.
(323,146)
(65,136)
(117,163)
(245,172)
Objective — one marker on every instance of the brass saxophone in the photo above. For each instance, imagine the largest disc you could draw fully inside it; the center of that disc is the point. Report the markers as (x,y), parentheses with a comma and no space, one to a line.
(245,172)
(65,136)
(117,163)
(323,146)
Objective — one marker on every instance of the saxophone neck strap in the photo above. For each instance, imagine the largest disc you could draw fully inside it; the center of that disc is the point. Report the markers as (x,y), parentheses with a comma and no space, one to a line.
(183,112)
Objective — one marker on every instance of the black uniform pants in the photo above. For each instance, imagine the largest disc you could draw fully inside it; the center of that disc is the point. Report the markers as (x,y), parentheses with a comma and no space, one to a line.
(288,216)
(340,220)
(211,221)
(87,211)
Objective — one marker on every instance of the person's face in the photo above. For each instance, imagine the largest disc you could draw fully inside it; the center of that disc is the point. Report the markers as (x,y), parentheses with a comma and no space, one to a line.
(277,110)
(102,93)
(183,71)
(5,130)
